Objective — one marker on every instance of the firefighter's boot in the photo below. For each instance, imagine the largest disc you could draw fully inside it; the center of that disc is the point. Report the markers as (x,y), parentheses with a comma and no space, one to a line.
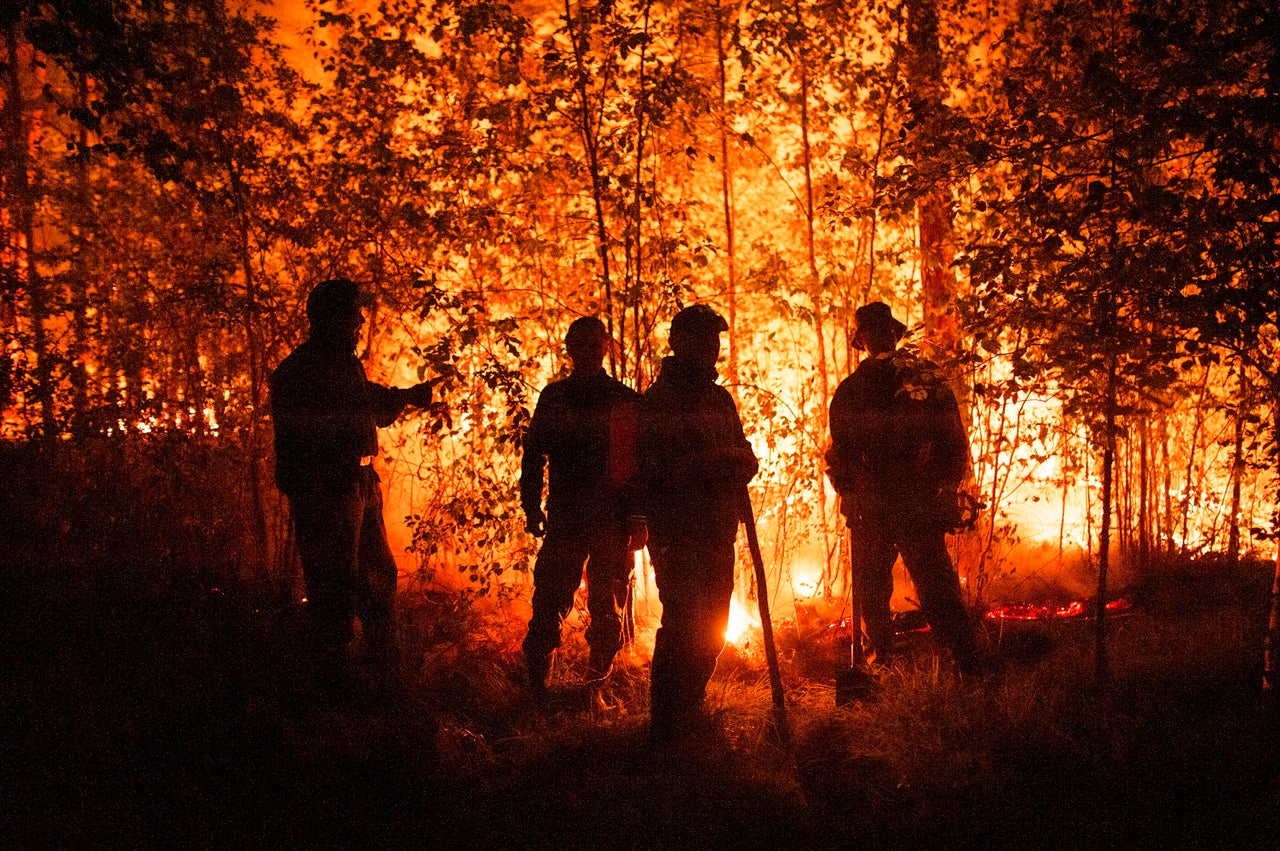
(538,668)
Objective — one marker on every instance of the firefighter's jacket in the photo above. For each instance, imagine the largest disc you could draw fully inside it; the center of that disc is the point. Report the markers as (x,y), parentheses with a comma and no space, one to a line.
(897,439)
(695,461)
(326,414)
(583,434)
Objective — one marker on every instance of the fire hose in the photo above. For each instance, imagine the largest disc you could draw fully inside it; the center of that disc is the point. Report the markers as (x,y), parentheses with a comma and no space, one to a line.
(762,595)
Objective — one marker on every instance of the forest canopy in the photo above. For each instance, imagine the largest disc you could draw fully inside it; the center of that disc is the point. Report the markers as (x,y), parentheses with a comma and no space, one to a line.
(1074,206)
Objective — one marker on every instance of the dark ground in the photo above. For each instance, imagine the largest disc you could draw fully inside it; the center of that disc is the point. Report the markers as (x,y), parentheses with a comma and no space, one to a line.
(180,719)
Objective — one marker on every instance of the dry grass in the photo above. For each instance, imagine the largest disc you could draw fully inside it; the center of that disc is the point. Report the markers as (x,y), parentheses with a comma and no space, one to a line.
(183,718)
(1174,751)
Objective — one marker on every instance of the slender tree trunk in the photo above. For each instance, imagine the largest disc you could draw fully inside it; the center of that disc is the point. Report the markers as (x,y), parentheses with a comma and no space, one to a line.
(590,144)
(1271,647)
(1144,488)
(815,287)
(1062,517)
(1192,453)
(1166,525)
(815,284)
(926,90)
(1127,503)
(1088,496)
(13,196)
(23,210)
(79,280)
(634,251)
(1104,532)
(257,362)
(1237,473)
(726,194)
(993,497)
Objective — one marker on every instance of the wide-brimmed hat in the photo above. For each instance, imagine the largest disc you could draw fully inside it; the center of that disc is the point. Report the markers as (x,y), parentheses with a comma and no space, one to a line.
(336,298)
(875,317)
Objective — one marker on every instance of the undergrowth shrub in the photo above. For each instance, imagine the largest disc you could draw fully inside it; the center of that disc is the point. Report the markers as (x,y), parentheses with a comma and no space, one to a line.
(143,514)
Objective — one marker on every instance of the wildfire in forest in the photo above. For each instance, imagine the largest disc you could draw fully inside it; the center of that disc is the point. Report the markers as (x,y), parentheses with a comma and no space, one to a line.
(1069,210)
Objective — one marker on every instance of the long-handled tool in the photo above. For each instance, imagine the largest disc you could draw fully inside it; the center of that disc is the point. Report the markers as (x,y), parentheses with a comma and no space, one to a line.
(855,682)
(762,594)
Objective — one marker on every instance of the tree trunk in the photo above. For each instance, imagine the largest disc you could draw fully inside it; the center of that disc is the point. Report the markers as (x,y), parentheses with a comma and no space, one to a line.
(1087,457)
(926,91)
(257,362)
(1270,663)
(1271,643)
(726,193)
(634,251)
(79,281)
(815,285)
(1237,474)
(1166,464)
(591,145)
(1192,453)
(1062,518)
(23,210)
(1104,532)
(1144,495)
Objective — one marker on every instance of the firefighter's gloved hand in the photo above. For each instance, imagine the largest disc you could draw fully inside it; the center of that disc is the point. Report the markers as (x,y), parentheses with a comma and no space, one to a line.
(637,534)
(535,523)
(419,395)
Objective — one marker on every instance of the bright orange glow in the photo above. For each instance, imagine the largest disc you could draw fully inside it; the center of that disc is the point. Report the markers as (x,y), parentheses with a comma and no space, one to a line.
(806,579)
(739,621)
(1075,609)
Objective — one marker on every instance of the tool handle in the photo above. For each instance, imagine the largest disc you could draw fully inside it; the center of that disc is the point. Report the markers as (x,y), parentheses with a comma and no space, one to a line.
(762,595)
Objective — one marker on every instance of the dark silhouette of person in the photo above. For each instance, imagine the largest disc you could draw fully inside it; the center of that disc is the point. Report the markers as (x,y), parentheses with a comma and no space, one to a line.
(326,414)
(695,465)
(581,443)
(898,455)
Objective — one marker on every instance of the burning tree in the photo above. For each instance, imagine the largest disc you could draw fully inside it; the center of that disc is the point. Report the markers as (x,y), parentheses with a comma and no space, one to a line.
(1093,272)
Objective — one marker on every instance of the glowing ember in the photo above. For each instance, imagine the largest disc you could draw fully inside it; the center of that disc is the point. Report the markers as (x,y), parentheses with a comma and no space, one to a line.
(1031,612)
(913,621)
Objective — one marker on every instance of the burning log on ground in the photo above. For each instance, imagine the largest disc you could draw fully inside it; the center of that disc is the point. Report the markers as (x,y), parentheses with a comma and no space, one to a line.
(1030,640)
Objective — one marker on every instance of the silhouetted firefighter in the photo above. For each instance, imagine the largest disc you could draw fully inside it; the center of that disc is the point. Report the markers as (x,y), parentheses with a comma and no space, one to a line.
(326,414)
(898,455)
(695,464)
(583,433)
